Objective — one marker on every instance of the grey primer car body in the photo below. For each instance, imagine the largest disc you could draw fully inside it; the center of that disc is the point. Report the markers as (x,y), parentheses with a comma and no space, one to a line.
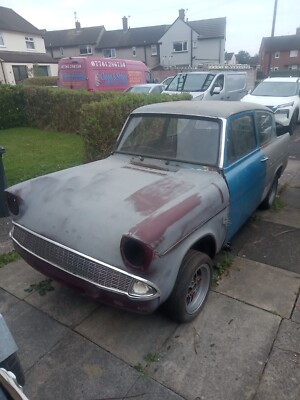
(140,228)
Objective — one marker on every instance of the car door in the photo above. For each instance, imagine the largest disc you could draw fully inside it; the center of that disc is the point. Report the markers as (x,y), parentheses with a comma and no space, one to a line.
(270,145)
(244,170)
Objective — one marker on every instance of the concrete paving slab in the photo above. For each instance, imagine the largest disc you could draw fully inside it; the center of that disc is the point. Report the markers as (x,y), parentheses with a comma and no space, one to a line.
(269,243)
(291,197)
(147,389)
(296,311)
(128,336)
(34,332)
(18,276)
(286,216)
(261,285)
(78,369)
(288,337)
(221,354)
(291,173)
(7,301)
(281,377)
(63,304)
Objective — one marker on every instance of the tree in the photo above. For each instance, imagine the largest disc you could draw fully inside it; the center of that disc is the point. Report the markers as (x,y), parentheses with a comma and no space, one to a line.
(243,57)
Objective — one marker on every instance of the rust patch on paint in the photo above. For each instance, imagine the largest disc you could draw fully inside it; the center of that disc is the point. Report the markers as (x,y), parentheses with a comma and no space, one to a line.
(154,196)
(152,229)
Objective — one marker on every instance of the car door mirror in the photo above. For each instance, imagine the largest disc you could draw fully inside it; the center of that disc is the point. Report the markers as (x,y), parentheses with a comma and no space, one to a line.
(216,90)
(281,129)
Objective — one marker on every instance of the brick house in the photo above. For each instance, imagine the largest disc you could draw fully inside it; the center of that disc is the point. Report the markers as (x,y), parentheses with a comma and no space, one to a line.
(280,52)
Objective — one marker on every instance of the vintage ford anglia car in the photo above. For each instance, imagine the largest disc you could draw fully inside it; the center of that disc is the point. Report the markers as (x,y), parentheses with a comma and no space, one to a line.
(140,228)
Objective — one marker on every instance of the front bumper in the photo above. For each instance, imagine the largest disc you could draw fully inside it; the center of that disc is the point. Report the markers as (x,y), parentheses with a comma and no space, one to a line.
(91,277)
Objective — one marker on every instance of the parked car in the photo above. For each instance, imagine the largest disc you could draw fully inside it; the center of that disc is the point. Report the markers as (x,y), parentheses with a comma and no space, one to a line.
(227,86)
(282,95)
(146,88)
(140,228)
(167,80)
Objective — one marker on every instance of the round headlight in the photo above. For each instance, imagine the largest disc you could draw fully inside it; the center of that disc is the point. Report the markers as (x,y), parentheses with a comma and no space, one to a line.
(135,254)
(12,203)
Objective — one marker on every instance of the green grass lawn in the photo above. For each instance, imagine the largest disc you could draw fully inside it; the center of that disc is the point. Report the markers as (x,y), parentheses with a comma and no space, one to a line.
(33,152)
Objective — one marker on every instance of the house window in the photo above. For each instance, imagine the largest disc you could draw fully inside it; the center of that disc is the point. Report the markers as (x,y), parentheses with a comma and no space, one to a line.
(109,53)
(1,39)
(29,43)
(86,50)
(277,54)
(293,67)
(153,50)
(20,73)
(179,47)
(294,53)
(134,51)
(195,43)
(61,50)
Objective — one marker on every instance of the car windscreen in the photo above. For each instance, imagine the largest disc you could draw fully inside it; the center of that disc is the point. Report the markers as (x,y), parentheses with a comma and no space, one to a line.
(191,82)
(276,89)
(188,139)
(140,89)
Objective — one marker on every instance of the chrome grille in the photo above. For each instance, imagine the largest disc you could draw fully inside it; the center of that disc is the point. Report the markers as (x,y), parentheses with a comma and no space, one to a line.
(72,262)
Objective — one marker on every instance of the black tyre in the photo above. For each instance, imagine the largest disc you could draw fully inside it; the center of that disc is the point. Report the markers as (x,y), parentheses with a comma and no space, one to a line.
(293,122)
(12,363)
(271,196)
(191,287)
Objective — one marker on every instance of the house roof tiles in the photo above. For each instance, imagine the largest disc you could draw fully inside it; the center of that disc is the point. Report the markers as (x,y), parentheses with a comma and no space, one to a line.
(26,57)
(73,37)
(11,21)
(132,37)
(281,43)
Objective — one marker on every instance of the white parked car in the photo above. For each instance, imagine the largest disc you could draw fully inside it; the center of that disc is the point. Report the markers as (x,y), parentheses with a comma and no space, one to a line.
(282,95)
(146,88)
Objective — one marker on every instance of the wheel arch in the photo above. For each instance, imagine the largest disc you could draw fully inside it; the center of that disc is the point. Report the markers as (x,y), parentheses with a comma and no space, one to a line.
(206,244)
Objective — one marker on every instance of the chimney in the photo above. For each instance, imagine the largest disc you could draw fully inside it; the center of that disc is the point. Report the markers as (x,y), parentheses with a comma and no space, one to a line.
(182,14)
(125,24)
(298,31)
(77,26)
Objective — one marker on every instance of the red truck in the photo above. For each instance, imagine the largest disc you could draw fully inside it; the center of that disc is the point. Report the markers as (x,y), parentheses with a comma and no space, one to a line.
(101,74)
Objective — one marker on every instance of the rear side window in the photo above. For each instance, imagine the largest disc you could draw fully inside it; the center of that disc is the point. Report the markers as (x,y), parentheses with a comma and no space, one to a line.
(241,138)
(236,82)
(265,127)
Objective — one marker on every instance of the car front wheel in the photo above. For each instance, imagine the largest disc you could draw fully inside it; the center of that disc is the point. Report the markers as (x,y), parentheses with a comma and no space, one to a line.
(191,287)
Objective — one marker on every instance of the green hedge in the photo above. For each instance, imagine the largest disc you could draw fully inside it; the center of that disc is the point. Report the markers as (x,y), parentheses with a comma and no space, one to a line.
(12,110)
(41,81)
(58,109)
(98,116)
(101,122)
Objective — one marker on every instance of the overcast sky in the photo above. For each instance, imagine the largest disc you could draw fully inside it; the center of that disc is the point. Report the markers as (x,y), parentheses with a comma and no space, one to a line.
(247,20)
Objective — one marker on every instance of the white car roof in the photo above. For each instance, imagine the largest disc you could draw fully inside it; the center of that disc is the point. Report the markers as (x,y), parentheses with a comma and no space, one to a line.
(283,79)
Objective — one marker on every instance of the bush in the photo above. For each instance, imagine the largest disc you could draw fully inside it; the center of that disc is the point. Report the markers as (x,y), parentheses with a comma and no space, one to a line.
(41,81)
(58,109)
(102,122)
(12,113)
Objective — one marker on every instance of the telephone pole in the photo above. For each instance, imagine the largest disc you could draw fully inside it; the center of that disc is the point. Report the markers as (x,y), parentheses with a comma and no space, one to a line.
(272,36)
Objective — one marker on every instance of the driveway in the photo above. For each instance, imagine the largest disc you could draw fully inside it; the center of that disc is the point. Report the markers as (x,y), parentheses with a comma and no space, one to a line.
(244,345)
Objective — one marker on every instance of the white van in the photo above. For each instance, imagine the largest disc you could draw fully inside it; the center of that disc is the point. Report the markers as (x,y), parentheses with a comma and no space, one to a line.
(210,85)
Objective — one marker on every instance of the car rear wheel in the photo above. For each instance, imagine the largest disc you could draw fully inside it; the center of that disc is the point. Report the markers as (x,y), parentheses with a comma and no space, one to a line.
(191,287)
(271,196)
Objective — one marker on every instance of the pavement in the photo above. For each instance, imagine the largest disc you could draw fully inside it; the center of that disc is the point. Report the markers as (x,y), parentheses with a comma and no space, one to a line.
(245,345)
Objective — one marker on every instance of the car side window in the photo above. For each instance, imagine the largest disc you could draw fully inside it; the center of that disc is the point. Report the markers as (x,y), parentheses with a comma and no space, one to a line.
(265,127)
(241,138)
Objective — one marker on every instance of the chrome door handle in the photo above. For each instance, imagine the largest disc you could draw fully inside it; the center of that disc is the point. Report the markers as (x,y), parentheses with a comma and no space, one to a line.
(264,159)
